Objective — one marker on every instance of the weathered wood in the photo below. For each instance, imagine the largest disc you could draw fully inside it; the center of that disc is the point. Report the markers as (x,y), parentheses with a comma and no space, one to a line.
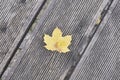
(36,63)
(101,59)
(27,40)
(15,18)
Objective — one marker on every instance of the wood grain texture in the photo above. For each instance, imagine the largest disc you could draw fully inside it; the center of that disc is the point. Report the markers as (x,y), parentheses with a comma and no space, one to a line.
(37,63)
(101,59)
(27,40)
(15,18)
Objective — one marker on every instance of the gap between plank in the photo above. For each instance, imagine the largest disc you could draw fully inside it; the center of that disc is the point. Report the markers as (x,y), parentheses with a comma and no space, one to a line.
(5,62)
(90,36)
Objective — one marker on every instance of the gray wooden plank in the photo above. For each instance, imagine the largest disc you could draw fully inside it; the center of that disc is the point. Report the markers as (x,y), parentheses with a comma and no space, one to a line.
(27,40)
(36,63)
(15,18)
(101,59)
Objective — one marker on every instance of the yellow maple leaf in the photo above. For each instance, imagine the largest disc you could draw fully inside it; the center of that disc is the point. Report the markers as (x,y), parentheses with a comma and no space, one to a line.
(56,42)
(98,20)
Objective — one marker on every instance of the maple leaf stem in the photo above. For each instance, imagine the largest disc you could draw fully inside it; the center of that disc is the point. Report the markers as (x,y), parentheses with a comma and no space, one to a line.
(52,60)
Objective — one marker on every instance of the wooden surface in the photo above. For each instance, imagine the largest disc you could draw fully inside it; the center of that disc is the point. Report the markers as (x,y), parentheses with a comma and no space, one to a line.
(101,60)
(72,17)
(15,18)
(94,50)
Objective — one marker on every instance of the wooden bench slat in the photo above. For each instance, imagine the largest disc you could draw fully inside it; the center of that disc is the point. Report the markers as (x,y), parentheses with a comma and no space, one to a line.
(72,17)
(101,59)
